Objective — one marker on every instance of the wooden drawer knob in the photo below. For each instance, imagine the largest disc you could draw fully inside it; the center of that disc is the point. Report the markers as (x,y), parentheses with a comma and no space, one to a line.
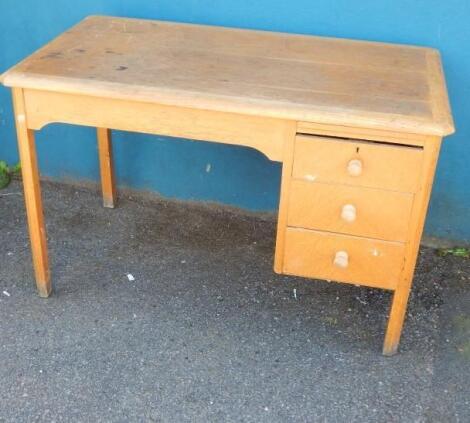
(355,167)
(341,259)
(348,213)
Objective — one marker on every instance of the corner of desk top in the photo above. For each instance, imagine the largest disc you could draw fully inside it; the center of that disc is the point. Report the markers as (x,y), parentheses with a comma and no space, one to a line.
(440,97)
(3,77)
(13,78)
(96,18)
(9,77)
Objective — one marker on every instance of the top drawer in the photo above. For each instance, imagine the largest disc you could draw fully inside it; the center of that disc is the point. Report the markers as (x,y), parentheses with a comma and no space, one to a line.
(354,162)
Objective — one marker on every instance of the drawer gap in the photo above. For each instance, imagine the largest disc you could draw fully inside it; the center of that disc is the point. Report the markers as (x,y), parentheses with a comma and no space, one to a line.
(360,140)
(352,236)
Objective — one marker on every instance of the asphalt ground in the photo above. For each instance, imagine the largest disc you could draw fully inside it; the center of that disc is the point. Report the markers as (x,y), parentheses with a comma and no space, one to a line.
(206,332)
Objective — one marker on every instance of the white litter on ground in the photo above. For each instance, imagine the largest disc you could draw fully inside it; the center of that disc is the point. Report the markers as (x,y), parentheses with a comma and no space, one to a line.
(361,301)
(6,293)
(295,293)
(130,277)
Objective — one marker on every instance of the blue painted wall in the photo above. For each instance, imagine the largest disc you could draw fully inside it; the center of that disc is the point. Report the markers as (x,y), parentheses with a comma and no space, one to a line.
(240,176)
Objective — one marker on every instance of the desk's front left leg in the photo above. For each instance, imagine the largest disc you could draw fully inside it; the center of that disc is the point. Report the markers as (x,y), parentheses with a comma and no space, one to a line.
(32,194)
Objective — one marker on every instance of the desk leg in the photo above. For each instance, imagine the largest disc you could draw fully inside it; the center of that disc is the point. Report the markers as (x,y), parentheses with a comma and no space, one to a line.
(396,320)
(32,194)
(287,163)
(105,151)
(418,215)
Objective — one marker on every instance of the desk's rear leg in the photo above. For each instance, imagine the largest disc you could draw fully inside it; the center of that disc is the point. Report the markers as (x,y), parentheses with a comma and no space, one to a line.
(32,194)
(105,151)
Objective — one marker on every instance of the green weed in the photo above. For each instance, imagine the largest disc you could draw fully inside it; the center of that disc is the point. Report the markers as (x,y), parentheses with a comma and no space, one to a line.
(7,173)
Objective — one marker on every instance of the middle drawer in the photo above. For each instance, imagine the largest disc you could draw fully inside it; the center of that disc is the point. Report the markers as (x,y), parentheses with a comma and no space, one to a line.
(366,212)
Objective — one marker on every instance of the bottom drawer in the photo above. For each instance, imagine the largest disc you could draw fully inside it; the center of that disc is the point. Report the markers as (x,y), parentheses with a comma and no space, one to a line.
(343,258)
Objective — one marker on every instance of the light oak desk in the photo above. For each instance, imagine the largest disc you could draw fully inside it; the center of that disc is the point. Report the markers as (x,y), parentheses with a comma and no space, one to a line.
(356,125)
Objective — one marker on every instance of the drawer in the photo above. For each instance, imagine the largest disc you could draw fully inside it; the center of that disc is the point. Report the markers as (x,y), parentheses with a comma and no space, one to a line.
(361,163)
(343,258)
(367,212)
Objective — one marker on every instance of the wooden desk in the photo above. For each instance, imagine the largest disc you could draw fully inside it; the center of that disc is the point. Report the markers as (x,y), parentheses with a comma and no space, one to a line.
(357,126)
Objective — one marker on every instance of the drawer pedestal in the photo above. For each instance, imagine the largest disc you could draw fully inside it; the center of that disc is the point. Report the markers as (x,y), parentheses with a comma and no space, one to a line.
(352,211)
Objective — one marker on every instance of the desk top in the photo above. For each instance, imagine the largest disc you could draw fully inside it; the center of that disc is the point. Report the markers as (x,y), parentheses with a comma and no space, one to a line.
(304,78)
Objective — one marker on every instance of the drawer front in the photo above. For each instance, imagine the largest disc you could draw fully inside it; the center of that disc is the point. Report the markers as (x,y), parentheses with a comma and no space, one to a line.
(367,212)
(360,163)
(343,258)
